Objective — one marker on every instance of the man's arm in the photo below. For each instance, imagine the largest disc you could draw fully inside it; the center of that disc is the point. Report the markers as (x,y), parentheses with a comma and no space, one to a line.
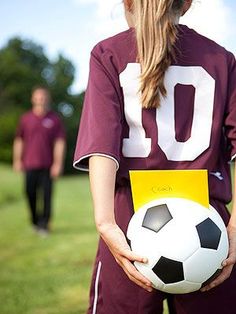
(18,146)
(58,157)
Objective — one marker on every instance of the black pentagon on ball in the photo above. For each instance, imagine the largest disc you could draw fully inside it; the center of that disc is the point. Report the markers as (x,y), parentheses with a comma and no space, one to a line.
(168,270)
(209,234)
(156,217)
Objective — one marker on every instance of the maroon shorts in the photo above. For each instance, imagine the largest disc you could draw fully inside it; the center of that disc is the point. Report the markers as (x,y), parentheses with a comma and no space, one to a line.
(113,293)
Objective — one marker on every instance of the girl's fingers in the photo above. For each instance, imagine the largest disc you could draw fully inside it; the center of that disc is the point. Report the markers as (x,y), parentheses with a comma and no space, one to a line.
(133,272)
(227,268)
(220,279)
(124,257)
(231,260)
(137,282)
(133,257)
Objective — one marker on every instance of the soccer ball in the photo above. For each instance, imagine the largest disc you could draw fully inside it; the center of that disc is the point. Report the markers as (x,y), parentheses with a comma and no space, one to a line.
(185,243)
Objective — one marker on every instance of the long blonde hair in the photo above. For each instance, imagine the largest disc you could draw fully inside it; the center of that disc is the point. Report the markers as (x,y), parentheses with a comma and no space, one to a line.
(156,34)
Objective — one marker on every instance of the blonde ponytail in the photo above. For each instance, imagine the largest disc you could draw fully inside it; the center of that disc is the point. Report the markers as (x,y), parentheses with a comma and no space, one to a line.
(156,35)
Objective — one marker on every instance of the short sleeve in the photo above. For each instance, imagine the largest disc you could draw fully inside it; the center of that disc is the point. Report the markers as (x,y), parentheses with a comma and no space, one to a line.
(60,132)
(100,124)
(20,129)
(230,115)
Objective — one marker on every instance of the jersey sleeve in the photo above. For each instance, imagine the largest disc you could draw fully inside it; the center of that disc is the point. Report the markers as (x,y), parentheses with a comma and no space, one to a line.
(60,132)
(100,124)
(230,115)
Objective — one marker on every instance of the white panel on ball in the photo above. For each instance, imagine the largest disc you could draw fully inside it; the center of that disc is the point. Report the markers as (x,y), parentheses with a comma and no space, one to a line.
(148,273)
(187,212)
(201,265)
(182,287)
(178,245)
(217,218)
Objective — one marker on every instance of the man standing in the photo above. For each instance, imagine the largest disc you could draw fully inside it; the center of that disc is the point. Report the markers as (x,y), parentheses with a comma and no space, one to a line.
(38,150)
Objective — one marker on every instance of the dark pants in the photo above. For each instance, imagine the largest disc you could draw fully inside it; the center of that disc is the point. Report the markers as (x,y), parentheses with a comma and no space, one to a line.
(38,186)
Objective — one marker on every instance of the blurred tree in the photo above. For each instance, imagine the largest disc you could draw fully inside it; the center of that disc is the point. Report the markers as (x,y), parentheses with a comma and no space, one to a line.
(24,64)
(63,77)
(21,65)
(71,122)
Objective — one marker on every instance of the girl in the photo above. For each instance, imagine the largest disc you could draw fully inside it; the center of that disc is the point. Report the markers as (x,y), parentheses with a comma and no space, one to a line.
(160,96)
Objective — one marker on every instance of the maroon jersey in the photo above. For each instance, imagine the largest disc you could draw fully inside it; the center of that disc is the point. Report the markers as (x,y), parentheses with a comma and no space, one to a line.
(194,128)
(39,135)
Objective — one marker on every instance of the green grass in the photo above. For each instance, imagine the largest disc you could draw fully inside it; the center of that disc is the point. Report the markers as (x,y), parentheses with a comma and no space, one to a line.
(46,275)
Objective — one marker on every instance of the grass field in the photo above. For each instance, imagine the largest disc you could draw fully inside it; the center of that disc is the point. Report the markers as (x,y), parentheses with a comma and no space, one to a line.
(46,275)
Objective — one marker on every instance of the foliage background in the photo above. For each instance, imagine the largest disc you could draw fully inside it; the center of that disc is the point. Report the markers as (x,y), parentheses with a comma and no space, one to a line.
(23,65)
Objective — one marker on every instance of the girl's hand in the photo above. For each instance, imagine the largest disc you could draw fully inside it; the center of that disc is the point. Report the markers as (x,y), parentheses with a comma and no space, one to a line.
(117,244)
(227,264)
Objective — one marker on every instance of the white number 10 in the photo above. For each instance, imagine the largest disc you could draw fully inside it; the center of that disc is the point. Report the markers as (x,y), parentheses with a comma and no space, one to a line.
(137,145)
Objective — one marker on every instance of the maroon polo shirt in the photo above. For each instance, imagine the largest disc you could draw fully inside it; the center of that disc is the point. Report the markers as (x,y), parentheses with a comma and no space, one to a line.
(39,135)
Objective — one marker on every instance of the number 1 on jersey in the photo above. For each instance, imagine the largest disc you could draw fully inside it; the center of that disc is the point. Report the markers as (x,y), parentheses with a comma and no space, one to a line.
(137,145)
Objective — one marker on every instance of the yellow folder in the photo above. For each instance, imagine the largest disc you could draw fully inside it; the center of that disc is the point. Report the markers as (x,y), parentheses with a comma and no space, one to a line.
(148,185)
